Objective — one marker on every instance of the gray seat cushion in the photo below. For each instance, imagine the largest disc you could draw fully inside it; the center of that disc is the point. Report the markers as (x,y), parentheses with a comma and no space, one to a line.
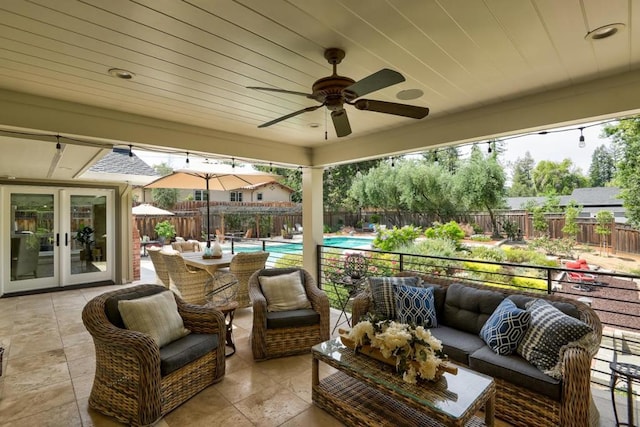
(292,318)
(458,345)
(179,353)
(467,308)
(515,370)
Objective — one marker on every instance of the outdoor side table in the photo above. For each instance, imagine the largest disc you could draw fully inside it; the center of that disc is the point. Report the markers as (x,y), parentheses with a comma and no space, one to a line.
(629,373)
(229,311)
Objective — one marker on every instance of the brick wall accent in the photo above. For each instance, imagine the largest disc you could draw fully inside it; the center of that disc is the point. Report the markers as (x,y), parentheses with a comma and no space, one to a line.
(136,253)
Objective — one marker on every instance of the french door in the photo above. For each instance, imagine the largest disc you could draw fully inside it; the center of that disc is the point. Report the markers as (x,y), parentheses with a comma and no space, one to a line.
(55,237)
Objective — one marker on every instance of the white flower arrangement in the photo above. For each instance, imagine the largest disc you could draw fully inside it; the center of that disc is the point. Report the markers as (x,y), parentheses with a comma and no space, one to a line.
(417,353)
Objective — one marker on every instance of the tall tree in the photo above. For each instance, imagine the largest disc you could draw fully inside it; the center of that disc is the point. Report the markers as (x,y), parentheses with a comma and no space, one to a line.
(557,177)
(448,158)
(427,188)
(379,188)
(481,182)
(522,179)
(626,139)
(603,168)
(337,181)
(165,198)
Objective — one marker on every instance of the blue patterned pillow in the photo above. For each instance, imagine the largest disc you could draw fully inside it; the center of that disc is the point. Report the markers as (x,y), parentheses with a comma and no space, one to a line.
(383,295)
(416,306)
(550,330)
(505,328)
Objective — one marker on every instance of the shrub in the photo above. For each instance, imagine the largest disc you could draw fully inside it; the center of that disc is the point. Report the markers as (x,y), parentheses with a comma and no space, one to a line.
(480,238)
(391,240)
(431,247)
(450,230)
(489,254)
(165,230)
(529,283)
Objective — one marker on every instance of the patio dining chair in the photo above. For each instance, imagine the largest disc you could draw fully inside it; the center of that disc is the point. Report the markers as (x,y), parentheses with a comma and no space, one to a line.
(242,266)
(159,266)
(188,284)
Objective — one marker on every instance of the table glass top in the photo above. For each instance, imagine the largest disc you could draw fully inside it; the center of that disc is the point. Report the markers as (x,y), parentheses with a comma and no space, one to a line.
(451,394)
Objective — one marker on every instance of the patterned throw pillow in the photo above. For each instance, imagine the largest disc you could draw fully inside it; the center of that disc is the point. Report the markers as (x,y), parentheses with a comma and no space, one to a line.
(416,306)
(284,292)
(505,328)
(549,331)
(384,301)
(156,315)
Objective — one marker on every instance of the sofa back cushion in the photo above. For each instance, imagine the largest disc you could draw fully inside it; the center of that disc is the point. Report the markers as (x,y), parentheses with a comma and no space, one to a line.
(467,308)
(565,307)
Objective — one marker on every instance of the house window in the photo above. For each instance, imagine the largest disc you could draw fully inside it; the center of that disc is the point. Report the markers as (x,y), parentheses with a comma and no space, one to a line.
(200,195)
(259,196)
(236,196)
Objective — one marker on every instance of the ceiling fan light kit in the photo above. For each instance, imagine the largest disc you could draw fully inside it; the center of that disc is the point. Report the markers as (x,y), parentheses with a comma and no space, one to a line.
(334,91)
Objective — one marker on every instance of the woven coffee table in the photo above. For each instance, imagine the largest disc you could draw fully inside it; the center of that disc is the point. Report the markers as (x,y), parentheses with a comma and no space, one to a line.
(367,392)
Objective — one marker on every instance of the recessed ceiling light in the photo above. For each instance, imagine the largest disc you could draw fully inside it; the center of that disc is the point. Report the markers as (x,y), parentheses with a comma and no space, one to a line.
(408,94)
(604,31)
(121,74)
(314,125)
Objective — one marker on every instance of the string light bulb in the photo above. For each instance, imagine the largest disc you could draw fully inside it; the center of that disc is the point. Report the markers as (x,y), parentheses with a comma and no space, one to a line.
(130,153)
(233,163)
(435,156)
(393,162)
(270,167)
(489,150)
(58,145)
(581,141)
(187,159)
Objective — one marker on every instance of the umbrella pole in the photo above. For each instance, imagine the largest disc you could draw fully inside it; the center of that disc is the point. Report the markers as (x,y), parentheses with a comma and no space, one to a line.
(208,229)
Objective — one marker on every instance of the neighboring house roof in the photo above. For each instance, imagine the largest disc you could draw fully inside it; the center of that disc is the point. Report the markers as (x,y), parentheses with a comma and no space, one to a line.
(592,200)
(264,184)
(118,166)
(586,197)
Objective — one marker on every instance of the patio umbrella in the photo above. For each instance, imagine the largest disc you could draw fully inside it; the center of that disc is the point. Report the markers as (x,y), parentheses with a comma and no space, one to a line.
(146,210)
(149,210)
(212,176)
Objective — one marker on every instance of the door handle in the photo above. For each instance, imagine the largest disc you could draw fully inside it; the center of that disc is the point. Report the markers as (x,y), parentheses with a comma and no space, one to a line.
(66,239)
(57,239)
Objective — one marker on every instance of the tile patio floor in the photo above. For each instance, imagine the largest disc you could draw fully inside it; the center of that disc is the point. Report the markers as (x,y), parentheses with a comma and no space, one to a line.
(49,363)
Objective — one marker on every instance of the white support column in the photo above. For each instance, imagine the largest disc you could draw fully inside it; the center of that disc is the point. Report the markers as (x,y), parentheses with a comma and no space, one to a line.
(312,217)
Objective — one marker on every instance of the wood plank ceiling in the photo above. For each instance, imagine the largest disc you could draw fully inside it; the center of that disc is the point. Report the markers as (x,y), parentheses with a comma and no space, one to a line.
(193,61)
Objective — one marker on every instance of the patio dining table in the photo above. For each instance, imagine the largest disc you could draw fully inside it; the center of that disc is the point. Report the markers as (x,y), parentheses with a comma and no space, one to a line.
(195,259)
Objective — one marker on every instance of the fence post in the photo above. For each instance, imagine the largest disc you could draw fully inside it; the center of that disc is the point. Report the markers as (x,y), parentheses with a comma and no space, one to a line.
(401,262)
(319,265)
(549,282)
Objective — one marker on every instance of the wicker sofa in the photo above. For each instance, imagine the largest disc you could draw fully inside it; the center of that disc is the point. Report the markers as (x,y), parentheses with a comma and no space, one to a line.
(525,396)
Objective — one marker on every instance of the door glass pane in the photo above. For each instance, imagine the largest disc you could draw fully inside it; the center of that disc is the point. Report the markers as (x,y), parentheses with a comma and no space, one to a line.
(32,237)
(88,234)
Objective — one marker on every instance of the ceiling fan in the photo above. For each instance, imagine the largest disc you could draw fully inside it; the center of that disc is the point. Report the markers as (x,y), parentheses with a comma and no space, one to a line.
(334,91)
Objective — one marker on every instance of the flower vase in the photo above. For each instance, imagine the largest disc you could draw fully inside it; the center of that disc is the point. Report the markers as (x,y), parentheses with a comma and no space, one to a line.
(216,249)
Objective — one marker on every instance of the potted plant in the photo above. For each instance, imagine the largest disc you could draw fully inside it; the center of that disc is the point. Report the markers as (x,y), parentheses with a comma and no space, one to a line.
(165,231)
(84,236)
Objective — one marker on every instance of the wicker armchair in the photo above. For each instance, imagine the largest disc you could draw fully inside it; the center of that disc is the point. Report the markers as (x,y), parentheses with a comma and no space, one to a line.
(189,284)
(268,342)
(243,265)
(159,266)
(128,383)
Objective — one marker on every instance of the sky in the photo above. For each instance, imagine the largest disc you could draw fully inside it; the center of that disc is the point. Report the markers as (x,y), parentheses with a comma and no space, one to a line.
(556,146)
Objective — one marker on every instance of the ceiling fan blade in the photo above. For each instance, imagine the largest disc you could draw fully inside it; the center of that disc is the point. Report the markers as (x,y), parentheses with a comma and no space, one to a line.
(341,123)
(288,116)
(404,110)
(376,81)
(291,92)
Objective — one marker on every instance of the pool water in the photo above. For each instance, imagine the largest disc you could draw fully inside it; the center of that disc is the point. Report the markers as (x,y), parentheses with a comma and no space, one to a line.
(296,248)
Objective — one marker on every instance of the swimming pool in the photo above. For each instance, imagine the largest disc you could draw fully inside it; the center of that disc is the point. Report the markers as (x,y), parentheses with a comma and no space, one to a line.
(296,248)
